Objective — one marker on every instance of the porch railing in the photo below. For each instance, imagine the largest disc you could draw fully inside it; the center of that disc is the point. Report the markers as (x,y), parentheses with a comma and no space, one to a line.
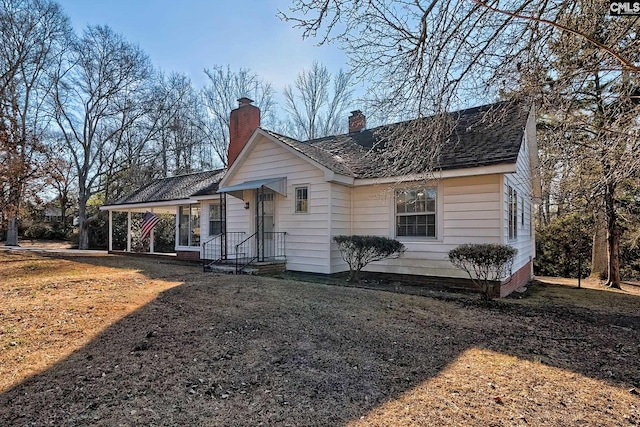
(221,247)
(235,246)
(261,247)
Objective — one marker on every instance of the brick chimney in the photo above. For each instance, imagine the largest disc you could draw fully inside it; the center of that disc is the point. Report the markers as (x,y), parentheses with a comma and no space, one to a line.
(243,121)
(357,121)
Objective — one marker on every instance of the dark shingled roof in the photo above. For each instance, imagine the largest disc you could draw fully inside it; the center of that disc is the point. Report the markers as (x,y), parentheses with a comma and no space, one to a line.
(176,188)
(326,158)
(482,136)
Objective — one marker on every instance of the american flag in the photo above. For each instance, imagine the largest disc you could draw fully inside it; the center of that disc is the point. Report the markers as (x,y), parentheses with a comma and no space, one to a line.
(149,220)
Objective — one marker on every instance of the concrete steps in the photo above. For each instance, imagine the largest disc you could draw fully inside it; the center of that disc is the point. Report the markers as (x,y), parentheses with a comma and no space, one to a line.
(229,269)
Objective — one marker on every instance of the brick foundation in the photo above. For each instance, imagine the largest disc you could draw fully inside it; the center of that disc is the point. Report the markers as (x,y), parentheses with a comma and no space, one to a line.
(188,255)
(270,267)
(518,279)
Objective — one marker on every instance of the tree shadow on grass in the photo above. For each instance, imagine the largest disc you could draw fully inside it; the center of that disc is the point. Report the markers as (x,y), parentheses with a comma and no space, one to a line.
(249,350)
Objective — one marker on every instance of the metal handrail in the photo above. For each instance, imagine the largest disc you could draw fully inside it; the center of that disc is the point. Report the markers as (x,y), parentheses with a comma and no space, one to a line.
(206,260)
(212,239)
(238,268)
(207,244)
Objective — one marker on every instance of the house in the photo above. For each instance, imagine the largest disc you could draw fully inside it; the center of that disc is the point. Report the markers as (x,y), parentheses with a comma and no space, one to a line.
(284,200)
(52,214)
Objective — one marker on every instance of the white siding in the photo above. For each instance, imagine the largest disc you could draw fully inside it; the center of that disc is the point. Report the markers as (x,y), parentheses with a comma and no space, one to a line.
(468,211)
(340,220)
(307,239)
(521,182)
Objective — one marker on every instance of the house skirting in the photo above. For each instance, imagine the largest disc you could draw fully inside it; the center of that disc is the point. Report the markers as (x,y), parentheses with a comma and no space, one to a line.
(158,255)
(518,279)
(188,255)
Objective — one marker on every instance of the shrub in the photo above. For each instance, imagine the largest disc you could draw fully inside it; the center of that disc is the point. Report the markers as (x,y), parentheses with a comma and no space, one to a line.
(560,243)
(630,257)
(358,251)
(37,231)
(484,263)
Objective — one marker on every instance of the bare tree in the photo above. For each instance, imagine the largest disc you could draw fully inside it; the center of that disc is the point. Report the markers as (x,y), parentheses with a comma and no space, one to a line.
(98,95)
(221,96)
(425,55)
(184,138)
(34,33)
(590,107)
(315,107)
(61,177)
(163,141)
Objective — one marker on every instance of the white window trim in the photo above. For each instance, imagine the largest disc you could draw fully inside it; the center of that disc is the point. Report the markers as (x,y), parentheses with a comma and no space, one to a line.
(511,215)
(437,212)
(295,199)
(208,222)
(190,246)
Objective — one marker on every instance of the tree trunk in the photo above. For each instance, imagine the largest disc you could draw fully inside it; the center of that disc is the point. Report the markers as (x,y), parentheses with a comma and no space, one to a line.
(613,239)
(599,263)
(613,271)
(63,213)
(83,229)
(12,231)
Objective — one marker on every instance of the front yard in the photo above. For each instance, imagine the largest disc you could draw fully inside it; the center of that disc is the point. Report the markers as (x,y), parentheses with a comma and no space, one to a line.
(117,341)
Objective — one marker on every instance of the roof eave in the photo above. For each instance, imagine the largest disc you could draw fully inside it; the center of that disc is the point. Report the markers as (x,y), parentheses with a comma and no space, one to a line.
(159,203)
(449,173)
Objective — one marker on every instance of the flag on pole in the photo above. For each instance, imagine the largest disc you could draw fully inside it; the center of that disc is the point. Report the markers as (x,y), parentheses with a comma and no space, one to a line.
(149,220)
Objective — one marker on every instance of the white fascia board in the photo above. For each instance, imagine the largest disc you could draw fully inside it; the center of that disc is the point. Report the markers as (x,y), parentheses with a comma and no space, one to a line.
(453,173)
(205,197)
(145,205)
(336,178)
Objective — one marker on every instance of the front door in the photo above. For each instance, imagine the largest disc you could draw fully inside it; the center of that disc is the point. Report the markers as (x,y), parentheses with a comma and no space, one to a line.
(265,223)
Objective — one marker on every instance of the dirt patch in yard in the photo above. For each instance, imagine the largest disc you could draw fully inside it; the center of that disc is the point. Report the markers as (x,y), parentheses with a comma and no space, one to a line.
(117,341)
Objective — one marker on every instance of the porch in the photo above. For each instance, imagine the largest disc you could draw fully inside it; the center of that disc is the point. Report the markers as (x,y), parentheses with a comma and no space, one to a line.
(238,252)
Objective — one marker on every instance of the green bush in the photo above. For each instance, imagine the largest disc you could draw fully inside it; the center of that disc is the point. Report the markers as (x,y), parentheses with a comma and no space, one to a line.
(358,251)
(485,263)
(36,231)
(630,258)
(561,243)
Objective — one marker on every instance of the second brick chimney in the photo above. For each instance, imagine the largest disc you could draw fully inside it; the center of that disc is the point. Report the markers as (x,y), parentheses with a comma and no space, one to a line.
(357,121)
(243,121)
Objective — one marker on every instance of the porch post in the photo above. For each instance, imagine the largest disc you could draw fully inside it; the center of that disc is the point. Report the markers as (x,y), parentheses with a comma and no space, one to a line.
(151,238)
(110,230)
(177,228)
(128,231)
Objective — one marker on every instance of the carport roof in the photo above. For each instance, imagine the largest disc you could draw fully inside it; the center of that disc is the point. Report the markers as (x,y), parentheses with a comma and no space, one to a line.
(175,188)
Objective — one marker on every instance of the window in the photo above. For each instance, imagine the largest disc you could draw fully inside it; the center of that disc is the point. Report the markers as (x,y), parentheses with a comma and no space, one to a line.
(194,234)
(416,212)
(215,220)
(513,213)
(302,199)
(183,226)
(522,209)
(189,225)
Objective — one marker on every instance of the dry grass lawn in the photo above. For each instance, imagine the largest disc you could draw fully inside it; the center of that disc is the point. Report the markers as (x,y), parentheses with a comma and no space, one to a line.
(115,341)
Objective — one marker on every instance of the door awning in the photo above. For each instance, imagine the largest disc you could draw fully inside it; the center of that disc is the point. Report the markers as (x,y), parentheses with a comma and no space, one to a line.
(279,185)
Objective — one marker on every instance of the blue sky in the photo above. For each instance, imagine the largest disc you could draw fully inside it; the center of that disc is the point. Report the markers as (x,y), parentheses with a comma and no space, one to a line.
(189,35)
